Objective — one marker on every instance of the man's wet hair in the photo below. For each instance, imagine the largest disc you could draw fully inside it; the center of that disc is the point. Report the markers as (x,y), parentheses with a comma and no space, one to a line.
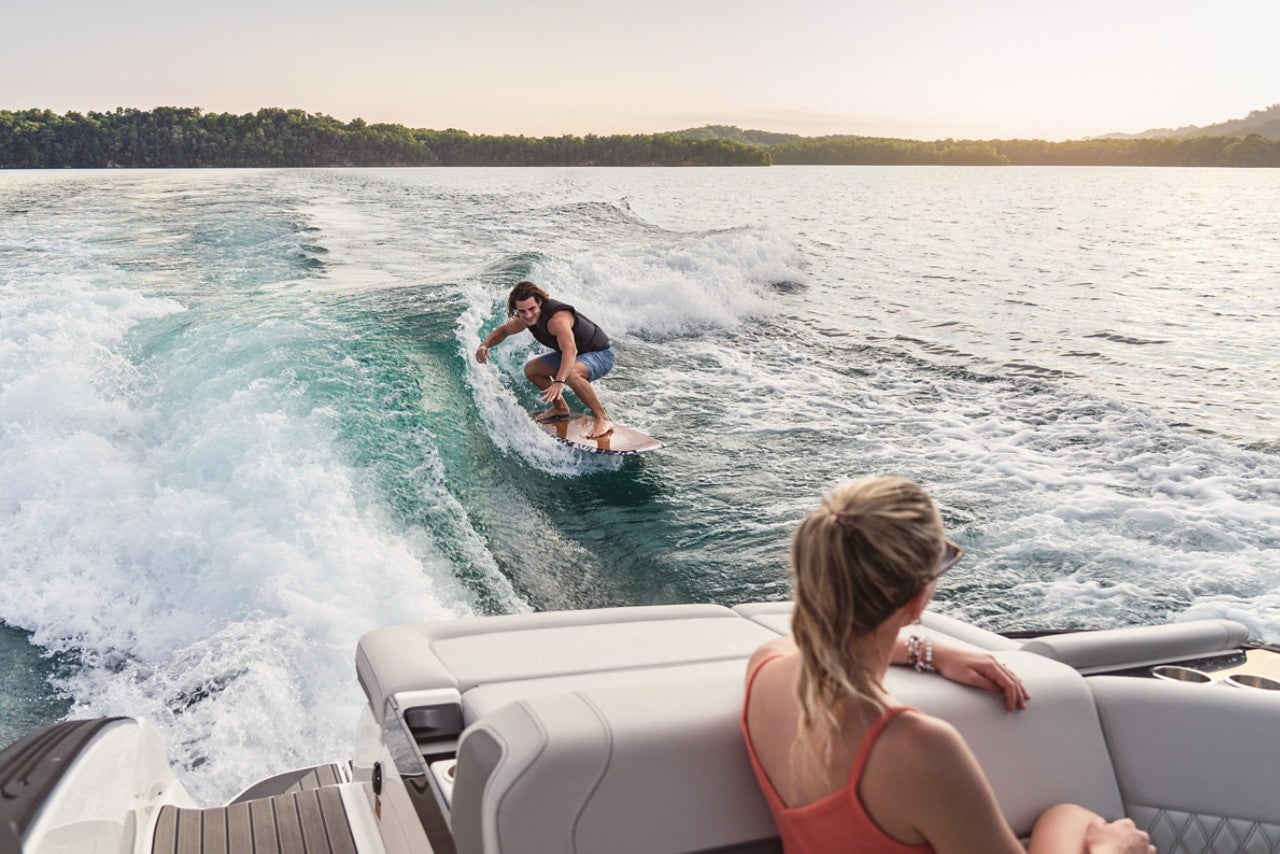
(522,291)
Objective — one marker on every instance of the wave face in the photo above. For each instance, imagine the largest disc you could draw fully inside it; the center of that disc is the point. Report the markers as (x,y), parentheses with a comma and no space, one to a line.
(240,424)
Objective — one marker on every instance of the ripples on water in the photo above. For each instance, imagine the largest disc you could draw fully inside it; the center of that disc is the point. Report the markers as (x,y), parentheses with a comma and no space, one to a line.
(239,424)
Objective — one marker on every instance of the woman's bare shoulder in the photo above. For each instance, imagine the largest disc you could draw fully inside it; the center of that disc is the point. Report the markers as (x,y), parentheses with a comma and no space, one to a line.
(782,646)
(925,744)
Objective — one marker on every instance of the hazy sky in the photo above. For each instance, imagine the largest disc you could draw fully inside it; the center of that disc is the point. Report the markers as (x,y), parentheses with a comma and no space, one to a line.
(925,69)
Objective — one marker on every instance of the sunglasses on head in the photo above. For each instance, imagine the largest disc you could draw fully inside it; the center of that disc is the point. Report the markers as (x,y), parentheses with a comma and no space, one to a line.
(951,554)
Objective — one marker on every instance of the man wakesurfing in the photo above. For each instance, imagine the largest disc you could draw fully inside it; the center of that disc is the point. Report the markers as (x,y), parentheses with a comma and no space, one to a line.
(582,352)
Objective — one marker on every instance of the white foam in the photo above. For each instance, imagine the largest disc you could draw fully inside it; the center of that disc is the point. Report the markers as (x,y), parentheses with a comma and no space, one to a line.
(191,533)
(685,285)
(1128,517)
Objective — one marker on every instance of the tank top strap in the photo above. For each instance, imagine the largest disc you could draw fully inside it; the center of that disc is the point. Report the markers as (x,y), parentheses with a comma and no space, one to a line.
(751,680)
(873,735)
(766,785)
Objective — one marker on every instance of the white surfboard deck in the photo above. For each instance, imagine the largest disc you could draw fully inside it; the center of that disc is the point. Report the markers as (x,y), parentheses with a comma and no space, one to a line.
(572,429)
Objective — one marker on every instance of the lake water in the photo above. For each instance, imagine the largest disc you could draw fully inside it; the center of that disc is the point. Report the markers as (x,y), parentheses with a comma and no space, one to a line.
(239,424)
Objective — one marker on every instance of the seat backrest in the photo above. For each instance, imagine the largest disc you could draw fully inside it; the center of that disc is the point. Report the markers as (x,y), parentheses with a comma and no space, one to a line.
(654,761)
(1197,764)
(631,768)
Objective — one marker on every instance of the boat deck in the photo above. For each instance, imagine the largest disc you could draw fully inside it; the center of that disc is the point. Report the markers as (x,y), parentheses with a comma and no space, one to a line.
(329,774)
(312,821)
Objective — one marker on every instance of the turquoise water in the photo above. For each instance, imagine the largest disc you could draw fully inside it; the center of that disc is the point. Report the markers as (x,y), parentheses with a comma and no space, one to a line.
(239,424)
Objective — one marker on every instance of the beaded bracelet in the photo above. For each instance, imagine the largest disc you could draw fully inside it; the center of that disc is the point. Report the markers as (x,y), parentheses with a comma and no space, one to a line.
(923,663)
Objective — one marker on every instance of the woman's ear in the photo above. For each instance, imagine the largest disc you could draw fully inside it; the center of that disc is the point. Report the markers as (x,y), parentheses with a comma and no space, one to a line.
(916,604)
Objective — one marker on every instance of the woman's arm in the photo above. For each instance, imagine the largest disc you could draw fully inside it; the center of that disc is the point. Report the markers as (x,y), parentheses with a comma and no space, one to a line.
(930,782)
(927,783)
(978,669)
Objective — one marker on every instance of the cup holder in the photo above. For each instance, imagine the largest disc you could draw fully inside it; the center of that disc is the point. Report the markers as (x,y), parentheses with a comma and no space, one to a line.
(443,771)
(1178,673)
(1252,680)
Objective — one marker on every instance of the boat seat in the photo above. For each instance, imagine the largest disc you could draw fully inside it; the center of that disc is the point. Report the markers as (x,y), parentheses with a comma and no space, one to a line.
(1136,646)
(650,766)
(1191,767)
(654,761)
(466,653)
(1053,752)
(487,699)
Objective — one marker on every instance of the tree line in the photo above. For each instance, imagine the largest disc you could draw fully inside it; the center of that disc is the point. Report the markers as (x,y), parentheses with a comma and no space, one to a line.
(176,137)
(1251,150)
(169,137)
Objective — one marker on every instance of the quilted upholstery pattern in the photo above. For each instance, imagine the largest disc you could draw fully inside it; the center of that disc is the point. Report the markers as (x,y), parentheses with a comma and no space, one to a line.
(1174,832)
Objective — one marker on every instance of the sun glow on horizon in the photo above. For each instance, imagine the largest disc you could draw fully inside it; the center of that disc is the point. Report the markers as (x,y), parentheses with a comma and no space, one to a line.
(1006,70)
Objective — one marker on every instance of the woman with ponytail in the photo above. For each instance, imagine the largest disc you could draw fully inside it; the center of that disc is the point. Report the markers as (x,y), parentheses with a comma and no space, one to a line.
(843,765)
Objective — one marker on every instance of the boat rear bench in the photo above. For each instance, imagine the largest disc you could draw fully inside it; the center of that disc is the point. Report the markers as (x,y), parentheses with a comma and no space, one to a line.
(618,730)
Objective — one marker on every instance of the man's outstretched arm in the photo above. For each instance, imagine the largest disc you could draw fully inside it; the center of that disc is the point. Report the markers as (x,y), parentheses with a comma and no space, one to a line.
(497,336)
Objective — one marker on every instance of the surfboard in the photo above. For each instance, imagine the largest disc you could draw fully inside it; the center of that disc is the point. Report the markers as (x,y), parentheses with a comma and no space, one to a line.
(572,429)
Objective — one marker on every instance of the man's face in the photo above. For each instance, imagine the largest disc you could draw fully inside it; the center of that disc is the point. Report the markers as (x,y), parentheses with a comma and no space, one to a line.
(528,310)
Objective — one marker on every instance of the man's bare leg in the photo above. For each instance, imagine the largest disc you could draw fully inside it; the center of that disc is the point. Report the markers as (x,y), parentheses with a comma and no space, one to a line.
(539,373)
(582,388)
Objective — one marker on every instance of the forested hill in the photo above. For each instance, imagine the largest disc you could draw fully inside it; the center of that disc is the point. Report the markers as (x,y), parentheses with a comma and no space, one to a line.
(1251,150)
(736,134)
(187,137)
(1262,122)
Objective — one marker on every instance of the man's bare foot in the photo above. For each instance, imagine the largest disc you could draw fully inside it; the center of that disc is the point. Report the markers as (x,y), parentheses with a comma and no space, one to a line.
(553,412)
(603,427)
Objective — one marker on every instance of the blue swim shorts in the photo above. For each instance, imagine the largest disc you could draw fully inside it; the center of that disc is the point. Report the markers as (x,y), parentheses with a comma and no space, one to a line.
(598,363)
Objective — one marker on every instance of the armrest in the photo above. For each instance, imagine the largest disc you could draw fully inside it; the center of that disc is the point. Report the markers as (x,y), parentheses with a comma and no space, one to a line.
(1135,646)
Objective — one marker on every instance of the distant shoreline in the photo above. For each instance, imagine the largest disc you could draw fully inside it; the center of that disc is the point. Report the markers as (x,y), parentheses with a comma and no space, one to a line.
(179,137)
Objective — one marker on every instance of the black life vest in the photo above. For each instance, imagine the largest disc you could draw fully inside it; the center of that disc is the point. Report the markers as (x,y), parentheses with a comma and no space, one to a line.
(587,336)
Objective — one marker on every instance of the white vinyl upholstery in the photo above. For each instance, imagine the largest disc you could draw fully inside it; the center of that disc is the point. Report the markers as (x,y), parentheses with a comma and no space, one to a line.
(776,616)
(465,653)
(962,631)
(1135,646)
(618,730)
(671,772)
(1190,763)
(638,768)
(487,699)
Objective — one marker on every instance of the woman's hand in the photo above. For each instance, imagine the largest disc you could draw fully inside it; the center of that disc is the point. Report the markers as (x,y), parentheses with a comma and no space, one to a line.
(981,670)
(1069,827)
(1117,837)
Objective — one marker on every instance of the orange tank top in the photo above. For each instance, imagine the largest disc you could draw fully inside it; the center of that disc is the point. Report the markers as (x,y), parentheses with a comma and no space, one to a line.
(838,821)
